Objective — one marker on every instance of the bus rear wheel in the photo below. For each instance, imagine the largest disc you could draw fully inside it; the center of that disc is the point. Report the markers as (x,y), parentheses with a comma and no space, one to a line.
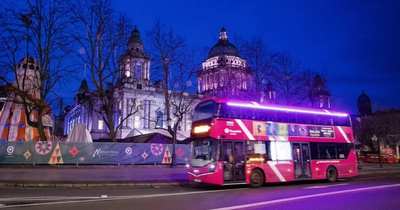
(331,174)
(257,178)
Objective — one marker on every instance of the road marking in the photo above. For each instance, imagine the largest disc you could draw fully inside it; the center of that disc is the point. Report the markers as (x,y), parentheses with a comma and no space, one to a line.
(45,198)
(379,177)
(304,197)
(325,186)
(98,199)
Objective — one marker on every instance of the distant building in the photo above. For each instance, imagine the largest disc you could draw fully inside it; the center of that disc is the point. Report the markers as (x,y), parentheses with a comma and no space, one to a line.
(135,91)
(321,96)
(268,95)
(225,74)
(364,106)
(386,127)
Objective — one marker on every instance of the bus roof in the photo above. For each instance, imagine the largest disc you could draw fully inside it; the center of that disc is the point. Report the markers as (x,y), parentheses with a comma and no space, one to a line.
(252,104)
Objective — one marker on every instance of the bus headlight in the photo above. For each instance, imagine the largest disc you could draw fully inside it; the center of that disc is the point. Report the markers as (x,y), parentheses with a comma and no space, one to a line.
(212,168)
(187,165)
(201,129)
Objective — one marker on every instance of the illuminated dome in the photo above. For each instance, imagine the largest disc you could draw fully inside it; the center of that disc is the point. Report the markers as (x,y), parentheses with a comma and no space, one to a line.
(223,47)
(135,37)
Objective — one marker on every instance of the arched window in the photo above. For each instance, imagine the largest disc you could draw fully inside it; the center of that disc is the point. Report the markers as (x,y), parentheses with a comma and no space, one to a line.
(138,70)
(159,120)
(127,70)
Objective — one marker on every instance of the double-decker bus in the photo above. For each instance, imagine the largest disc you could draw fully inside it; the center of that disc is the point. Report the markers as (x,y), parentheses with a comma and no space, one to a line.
(244,142)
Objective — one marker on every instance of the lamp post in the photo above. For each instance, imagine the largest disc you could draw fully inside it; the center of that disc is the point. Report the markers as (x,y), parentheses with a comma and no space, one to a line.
(376,141)
(173,162)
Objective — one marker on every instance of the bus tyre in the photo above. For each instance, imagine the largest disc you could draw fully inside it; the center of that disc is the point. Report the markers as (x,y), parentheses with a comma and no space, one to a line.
(331,174)
(256,178)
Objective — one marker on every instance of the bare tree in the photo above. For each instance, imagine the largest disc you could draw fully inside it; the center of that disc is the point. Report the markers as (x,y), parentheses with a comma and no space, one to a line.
(260,58)
(102,34)
(182,102)
(286,77)
(38,29)
(309,91)
(167,51)
(384,124)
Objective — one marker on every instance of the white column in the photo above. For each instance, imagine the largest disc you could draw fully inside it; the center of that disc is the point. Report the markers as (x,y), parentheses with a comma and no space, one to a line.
(142,70)
(198,85)
(144,73)
(125,104)
(148,70)
(205,82)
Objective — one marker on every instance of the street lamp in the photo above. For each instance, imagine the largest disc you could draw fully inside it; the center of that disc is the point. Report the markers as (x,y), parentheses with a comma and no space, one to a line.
(375,140)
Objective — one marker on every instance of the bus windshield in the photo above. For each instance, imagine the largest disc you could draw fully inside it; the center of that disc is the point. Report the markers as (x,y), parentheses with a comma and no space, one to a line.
(205,152)
(205,110)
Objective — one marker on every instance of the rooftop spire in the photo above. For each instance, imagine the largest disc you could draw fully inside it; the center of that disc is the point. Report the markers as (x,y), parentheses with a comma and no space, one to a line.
(222,34)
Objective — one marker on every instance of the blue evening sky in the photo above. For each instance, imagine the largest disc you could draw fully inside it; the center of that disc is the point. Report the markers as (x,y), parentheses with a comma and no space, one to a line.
(354,43)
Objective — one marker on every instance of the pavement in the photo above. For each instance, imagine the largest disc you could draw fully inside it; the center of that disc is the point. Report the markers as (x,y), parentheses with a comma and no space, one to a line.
(113,176)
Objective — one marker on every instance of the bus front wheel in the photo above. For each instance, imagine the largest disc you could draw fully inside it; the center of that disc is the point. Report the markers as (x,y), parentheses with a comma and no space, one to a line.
(256,178)
(331,174)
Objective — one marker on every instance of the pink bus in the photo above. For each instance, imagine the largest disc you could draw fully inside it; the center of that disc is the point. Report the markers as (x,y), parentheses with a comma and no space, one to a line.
(243,142)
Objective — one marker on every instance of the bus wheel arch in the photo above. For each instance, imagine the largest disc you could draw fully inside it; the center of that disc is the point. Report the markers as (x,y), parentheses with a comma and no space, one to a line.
(332,173)
(257,178)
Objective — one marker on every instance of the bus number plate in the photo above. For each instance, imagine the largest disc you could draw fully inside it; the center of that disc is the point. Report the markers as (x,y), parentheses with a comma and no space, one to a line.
(197,180)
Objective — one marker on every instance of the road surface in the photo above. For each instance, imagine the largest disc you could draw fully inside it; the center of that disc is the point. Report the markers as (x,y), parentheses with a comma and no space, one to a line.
(367,192)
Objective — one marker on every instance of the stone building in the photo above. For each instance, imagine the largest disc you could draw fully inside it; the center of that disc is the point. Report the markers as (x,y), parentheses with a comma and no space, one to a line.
(137,100)
(321,96)
(364,105)
(224,74)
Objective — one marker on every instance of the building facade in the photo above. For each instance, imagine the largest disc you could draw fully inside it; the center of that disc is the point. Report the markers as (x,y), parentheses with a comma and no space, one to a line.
(321,96)
(139,104)
(225,74)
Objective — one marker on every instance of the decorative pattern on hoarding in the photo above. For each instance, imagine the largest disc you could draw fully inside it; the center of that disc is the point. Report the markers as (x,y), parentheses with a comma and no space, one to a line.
(292,130)
(89,153)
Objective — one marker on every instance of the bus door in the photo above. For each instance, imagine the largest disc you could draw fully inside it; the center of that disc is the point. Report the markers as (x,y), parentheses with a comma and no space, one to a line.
(302,161)
(233,155)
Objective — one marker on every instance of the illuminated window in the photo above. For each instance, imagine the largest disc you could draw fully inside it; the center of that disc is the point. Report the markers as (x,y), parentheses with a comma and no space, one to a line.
(101,125)
(128,73)
(159,119)
(119,120)
(120,105)
(280,151)
(138,70)
(137,121)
